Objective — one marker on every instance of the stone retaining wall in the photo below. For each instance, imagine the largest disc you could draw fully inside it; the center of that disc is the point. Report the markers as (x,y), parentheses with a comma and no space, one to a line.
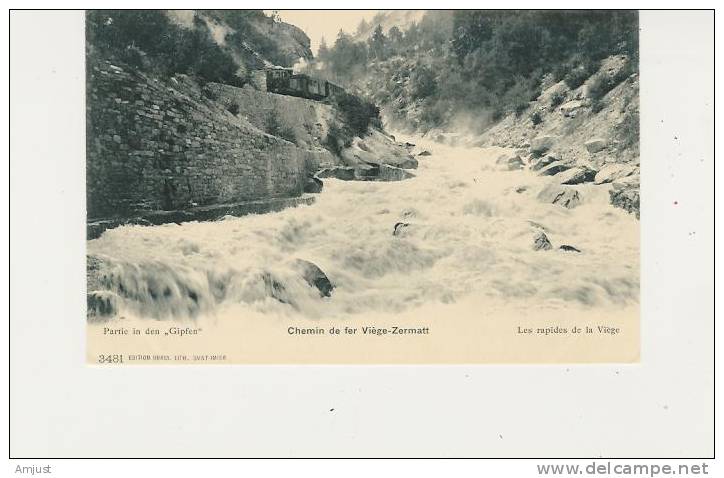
(155,145)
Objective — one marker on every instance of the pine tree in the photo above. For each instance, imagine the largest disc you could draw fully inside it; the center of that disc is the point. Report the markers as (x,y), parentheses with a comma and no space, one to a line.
(377,43)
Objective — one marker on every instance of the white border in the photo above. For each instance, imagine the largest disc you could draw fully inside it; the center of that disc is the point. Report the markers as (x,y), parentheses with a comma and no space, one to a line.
(61,407)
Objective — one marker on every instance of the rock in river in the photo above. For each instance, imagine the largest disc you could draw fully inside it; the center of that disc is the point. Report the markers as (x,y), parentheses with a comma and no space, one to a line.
(315,277)
(375,148)
(626,199)
(102,305)
(577,175)
(399,227)
(541,242)
(555,168)
(540,163)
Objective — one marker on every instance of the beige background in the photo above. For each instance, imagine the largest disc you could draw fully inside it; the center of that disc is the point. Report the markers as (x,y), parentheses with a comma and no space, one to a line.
(61,407)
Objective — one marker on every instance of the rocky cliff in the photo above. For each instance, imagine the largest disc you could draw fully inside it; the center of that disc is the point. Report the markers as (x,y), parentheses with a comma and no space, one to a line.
(587,129)
(253,38)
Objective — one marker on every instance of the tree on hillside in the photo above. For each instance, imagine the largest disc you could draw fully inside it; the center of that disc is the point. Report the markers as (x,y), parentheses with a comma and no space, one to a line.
(490,61)
(147,39)
(412,36)
(347,55)
(422,82)
(395,37)
(377,43)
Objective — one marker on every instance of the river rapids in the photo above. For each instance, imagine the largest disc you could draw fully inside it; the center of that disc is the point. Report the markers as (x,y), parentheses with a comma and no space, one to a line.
(467,238)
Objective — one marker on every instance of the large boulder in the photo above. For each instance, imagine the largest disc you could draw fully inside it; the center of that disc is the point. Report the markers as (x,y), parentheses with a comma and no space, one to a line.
(376,148)
(595,145)
(565,196)
(540,163)
(541,144)
(315,277)
(541,242)
(577,175)
(627,199)
(613,171)
(102,305)
(399,228)
(555,168)
(345,173)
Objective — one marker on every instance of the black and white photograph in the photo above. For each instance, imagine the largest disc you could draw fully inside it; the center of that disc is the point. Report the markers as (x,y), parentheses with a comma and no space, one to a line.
(477,165)
(480,168)
(419,232)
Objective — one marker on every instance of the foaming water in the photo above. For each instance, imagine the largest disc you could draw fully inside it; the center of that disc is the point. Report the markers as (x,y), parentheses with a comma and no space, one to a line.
(467,235)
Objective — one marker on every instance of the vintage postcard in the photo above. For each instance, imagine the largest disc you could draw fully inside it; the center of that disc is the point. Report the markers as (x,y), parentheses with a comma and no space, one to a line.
(362,187)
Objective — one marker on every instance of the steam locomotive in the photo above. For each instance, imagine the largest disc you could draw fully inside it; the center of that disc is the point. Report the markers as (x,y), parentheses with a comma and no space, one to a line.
(284,82)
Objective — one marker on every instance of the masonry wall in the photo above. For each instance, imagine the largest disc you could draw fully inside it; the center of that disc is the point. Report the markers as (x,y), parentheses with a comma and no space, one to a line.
(154,145)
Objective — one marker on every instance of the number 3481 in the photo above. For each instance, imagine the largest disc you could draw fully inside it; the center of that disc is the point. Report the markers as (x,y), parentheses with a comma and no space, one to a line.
(111,358)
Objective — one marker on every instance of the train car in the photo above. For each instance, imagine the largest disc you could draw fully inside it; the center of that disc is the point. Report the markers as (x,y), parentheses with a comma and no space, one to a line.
(307,87)
(284,82)
(277,79)
(333,90)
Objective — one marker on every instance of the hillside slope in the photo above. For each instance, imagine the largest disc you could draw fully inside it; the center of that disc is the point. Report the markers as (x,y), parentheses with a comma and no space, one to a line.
(213,45)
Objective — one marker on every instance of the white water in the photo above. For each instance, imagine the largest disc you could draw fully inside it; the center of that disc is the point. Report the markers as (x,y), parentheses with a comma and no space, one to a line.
(469,239)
